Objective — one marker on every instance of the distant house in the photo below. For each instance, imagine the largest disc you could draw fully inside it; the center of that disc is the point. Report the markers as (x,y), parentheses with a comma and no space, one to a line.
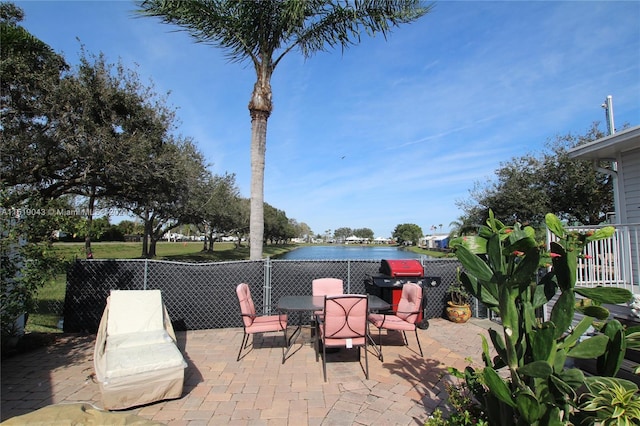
(382,240)
(621,264)
(435,242)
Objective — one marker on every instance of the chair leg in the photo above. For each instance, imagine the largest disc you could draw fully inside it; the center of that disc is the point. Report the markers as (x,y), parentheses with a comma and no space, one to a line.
(380,345)
(324,361)
(286,343)
(316,342)
(245,340)
(418,340)
(366,360)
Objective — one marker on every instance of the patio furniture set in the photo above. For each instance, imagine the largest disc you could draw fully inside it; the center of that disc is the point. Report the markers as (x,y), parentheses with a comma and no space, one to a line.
(137,360)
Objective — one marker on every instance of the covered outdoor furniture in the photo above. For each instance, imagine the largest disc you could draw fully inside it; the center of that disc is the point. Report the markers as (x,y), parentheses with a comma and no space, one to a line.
(136,358)
(343,325)
(253,323)
(405,317)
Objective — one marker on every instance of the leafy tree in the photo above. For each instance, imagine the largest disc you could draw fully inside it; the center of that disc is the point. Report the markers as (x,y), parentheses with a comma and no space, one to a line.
(128,227)
(462,226)
(342,233)
(276,225)
(529,186)
(216,208)
(577,192)
(301,229)
(30,70)
(407,233)
(263,32)
(161,191)
(363,233)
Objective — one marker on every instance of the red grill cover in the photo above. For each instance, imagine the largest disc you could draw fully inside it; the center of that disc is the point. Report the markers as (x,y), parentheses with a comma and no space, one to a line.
(401,268)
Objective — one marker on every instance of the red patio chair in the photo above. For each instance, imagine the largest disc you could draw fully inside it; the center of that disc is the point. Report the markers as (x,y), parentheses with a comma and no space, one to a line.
(343,325)
(257,324)
(405,317)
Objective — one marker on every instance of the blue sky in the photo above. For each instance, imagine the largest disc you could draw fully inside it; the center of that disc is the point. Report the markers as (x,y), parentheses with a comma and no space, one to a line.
(389,132)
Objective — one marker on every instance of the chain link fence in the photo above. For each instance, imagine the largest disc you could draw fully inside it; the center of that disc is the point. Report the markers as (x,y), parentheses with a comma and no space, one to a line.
(202,296)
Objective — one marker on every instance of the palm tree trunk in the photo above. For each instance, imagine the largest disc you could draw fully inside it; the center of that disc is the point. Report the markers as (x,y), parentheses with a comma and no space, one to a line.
(258,150)
(260,108)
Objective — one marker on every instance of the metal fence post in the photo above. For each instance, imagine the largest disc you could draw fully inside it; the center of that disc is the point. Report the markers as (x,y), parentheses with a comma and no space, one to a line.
(266,298)
(146,272)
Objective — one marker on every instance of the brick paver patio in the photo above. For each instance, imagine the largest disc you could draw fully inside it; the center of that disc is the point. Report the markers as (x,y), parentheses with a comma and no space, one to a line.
(259,389)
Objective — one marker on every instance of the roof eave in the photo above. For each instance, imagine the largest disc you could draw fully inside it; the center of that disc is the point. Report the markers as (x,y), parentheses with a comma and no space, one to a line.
(608,147)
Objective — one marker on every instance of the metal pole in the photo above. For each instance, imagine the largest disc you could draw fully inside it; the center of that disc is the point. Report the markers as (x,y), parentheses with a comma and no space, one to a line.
(267,286)
(146,267)
(608,110)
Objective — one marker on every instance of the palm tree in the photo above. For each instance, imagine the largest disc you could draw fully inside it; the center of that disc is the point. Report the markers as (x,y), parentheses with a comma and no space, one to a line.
(462,226)
(264,32)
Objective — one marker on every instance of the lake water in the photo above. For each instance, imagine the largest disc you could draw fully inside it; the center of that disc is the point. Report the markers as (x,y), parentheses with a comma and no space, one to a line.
(338,252)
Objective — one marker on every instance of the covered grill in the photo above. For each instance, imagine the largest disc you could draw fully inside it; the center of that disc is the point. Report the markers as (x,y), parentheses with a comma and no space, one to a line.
(395,273)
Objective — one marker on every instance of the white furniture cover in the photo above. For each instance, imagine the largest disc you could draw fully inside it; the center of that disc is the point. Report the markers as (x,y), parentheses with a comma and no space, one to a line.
(136,358)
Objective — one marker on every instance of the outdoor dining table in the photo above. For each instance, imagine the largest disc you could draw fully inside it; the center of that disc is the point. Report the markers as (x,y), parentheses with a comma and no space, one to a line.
(308,303)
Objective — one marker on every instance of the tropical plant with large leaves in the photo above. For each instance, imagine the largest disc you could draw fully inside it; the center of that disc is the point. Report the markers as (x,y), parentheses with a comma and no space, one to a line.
(262,33)
(529,382)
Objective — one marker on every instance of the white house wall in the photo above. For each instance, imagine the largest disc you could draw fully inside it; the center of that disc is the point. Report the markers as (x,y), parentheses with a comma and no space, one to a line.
(629,164)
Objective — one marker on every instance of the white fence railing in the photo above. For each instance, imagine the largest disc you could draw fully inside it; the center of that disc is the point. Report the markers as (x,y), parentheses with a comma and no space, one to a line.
(613,262)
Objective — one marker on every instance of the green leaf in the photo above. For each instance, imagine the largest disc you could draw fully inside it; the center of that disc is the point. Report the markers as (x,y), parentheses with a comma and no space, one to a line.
(577,332)
(562,386)
(497,386)
(486,292)
(498,344)
(594,383)
(527,268)
(473,264)
(611,295)
(561,267)
(632,337)
(574,377)
(520,241)
(540,369)
(594,311)
(530,232)
(494,254)
(543,342)
(589,348)
(528,406)
(602,234)
(509,313)
(474,243)
(539,297)
(609,363)
(562,312)
(553,417)
(554,225)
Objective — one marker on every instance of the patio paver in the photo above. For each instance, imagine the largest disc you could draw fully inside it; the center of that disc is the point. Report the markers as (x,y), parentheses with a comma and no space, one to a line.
(259,389)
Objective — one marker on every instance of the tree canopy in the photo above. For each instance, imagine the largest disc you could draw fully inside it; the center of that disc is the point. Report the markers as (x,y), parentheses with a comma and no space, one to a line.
(528,187)
(408,234)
